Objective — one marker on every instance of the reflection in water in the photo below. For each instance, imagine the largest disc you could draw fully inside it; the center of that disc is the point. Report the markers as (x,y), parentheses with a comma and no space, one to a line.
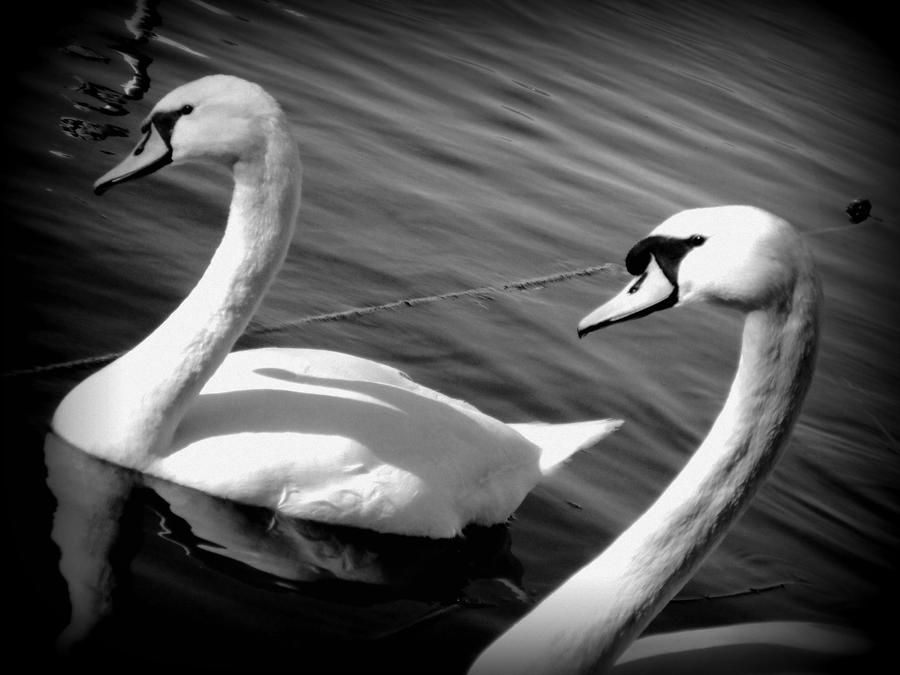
(91,507)
(144,20)
(89,131)
(112,102)
(141,25)
(84,52)
(99,528)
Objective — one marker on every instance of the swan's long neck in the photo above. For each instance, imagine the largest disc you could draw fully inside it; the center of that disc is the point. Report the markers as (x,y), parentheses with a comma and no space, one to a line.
(151,386)
(588,622)
(197,336)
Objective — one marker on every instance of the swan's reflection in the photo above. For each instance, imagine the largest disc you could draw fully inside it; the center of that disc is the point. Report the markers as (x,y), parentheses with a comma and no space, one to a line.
(99,527)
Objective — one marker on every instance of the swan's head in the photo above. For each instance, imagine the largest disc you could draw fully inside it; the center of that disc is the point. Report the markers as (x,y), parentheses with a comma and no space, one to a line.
(739,256)
(218,118)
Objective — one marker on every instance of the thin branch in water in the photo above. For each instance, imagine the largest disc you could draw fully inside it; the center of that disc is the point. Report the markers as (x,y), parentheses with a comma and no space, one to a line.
(734,594)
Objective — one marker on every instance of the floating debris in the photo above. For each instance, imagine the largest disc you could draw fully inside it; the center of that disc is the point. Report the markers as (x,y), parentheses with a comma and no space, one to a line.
(858,210)
(532,89)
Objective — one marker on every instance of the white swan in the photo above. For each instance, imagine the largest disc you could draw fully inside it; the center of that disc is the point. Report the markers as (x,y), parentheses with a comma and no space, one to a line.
(740,257)
(313,434)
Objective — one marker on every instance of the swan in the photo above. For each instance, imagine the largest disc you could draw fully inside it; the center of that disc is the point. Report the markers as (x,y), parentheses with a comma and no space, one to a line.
(309,433)
(734,256)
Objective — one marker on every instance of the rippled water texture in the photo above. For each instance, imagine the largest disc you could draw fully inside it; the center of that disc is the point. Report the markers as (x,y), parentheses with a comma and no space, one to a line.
(451,146)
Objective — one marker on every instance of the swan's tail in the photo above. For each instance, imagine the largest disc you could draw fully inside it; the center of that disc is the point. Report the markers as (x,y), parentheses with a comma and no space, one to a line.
(558,442)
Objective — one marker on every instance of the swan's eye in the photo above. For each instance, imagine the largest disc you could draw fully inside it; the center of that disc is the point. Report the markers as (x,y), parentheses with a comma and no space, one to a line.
(696,239)
(187,109)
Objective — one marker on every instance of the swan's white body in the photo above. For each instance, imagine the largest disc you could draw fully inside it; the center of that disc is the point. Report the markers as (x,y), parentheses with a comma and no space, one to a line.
(736,256)
(313,434)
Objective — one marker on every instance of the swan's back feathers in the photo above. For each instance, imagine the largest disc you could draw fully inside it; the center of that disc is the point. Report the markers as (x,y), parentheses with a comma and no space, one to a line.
(338,438)
(558,442)
(341,439)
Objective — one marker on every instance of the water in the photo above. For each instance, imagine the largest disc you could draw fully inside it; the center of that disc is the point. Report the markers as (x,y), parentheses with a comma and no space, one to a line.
(445,148)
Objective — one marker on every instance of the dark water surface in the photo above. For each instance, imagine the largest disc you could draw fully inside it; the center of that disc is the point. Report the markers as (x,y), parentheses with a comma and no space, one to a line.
(448,146)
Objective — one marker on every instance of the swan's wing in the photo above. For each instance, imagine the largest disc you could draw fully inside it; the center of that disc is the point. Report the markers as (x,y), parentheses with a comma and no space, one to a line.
(263,368)
(558,442)
(336,438)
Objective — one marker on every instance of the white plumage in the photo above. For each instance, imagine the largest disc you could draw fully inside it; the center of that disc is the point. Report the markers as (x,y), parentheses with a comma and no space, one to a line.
(313,434)
(738,257)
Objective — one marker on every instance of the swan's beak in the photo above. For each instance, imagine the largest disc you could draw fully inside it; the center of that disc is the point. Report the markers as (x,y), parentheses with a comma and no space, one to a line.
(152,153)
(650,292)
